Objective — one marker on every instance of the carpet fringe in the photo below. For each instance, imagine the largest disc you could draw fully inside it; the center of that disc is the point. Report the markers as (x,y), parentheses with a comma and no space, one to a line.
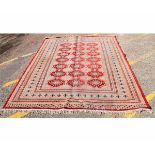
(66,112)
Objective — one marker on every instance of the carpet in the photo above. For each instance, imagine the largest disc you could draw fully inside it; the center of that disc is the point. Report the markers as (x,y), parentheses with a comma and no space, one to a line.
(78,72)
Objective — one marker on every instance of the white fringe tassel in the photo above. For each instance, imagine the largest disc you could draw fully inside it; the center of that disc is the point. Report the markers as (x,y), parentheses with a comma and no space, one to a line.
(66,112)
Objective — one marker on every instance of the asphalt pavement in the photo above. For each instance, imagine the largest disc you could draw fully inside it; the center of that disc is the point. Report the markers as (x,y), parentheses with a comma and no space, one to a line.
(17,49)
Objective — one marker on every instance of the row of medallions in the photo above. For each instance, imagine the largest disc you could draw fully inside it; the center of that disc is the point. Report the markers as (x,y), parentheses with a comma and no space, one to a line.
(62,59)
(77,62)
(95,66)
(77,65)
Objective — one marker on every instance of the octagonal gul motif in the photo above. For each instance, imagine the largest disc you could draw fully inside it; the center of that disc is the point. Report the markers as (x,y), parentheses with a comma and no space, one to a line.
(96,83)
(93,59)
(56,82)
(60,66)
(94,66)
(77,59)
(62,60)
(58,73)
(95,74)
(76,73)
(76,82)
(65,49)
(77,66)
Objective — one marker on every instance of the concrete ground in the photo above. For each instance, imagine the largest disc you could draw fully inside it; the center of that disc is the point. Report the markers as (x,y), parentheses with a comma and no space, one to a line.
(17,49)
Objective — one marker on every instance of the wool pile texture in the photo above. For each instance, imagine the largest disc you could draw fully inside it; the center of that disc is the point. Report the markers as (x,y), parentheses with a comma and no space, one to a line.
(78,72)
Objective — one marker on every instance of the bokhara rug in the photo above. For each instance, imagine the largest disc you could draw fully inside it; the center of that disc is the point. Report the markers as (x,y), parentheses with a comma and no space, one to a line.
(78,72)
